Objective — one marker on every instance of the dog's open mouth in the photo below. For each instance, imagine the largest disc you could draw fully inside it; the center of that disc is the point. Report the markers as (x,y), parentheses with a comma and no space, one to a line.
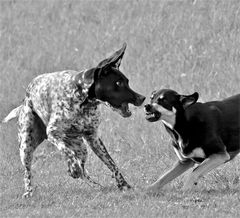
(123,110)
(153,116)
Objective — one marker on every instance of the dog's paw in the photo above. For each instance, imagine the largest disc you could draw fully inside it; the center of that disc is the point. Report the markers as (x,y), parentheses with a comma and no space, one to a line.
(27,194)
(152,191)
(75,171)
(124,186)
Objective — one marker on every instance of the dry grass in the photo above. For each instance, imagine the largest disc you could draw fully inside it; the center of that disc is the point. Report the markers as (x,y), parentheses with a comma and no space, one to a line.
(188,45)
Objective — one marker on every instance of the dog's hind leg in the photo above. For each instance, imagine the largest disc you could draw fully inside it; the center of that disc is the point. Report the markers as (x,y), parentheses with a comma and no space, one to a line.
(206,166)
(31,134)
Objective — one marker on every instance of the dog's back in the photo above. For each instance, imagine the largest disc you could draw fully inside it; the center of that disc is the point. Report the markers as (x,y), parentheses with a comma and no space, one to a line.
(50,92)
(217,119)
(230,122)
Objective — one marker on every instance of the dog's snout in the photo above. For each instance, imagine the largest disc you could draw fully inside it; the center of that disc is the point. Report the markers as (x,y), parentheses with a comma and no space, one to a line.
(142,98)
(139,100)
(147,107)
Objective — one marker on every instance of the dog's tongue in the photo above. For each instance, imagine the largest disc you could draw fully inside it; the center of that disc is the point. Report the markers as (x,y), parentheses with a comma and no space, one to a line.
(125,110)
(150,116)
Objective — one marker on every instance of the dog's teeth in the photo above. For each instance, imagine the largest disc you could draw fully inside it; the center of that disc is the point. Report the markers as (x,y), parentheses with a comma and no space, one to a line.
(150,115)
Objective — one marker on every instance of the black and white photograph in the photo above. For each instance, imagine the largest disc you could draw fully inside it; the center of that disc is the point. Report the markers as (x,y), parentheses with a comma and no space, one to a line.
(119,108)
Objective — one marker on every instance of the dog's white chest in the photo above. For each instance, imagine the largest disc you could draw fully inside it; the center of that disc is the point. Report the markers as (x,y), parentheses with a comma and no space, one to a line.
(196,152)
(179,148)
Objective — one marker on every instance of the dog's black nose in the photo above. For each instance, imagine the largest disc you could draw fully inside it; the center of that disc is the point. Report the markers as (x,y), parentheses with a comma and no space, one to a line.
(147,107)
(139,100)
(142,98)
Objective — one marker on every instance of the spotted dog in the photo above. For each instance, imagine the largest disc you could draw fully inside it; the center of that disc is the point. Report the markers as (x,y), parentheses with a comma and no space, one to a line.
(62,107)
(207,134)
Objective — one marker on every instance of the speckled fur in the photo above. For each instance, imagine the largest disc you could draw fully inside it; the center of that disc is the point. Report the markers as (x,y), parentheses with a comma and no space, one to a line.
(53,109)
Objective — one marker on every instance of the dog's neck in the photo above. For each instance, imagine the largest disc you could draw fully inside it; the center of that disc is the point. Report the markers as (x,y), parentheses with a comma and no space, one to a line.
(91,92)
(169,121)
(91,99)
(177,125)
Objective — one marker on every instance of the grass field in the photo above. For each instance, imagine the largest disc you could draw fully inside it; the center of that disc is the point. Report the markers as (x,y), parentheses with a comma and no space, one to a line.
(188,45)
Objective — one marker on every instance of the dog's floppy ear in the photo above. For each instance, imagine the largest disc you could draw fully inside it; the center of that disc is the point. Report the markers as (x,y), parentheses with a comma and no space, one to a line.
(85,79)
(115,59)
(152,94)
(188,100)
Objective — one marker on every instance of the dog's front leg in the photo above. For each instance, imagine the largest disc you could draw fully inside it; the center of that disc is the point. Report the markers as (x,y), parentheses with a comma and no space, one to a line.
(100,150)
(206,166)
(178,169)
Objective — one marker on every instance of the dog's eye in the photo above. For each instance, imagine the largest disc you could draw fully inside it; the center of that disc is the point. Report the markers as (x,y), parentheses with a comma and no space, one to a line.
(152,97)
(119,83)
(162,100)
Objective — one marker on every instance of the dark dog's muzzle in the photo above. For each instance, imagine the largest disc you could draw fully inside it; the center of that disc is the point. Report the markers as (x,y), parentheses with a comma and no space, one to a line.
(152,114)
(147,107)
(139,100)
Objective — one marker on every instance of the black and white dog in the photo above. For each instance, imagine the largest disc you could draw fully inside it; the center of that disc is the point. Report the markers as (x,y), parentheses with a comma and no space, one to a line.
(63,107)
(204,133)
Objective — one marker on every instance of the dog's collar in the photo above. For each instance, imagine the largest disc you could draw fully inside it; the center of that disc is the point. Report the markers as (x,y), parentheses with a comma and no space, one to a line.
(84,83)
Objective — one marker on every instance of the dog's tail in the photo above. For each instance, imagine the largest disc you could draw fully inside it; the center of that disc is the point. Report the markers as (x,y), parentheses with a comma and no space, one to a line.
(13,114)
